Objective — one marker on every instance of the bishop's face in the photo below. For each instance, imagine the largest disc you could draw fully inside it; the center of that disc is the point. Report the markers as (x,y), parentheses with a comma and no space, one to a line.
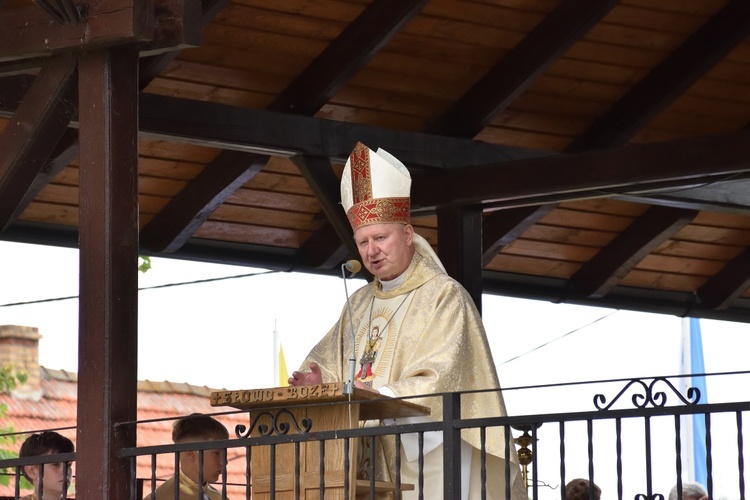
(386,249)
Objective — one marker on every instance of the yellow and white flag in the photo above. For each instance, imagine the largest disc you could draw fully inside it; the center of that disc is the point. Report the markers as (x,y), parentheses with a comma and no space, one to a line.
(280,373)
(283,374)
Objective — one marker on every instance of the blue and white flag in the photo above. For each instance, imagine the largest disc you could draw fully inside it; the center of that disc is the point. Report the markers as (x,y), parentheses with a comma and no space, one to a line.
(693,427)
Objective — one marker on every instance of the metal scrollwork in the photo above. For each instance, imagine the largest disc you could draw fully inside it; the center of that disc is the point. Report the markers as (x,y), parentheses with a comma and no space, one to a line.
(276,424)
(655,496)
(649,395)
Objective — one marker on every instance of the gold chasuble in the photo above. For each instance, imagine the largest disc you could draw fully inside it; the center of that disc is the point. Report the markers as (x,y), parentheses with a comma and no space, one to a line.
(424,337)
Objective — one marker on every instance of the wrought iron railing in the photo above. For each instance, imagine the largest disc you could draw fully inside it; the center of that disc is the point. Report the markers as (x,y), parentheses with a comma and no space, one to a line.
(629,443)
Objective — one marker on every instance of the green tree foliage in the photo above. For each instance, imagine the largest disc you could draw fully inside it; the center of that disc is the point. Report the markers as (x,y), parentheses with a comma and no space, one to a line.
(144,263)
(9,380)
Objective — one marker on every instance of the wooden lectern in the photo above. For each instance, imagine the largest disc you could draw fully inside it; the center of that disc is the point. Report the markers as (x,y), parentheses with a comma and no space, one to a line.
(323,406)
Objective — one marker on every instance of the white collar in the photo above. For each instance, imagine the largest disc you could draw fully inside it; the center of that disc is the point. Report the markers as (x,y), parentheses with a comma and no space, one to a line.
(396,282)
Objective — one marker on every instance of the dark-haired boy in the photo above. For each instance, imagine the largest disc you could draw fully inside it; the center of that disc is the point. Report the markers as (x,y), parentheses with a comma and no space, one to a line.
(50,481)
(190,429)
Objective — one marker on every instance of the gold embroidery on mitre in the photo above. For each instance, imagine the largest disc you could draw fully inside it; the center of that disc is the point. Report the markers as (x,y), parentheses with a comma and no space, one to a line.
(380,210)
(359,161)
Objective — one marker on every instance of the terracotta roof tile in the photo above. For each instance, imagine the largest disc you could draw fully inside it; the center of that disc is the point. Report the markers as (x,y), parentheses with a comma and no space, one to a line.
(156,401)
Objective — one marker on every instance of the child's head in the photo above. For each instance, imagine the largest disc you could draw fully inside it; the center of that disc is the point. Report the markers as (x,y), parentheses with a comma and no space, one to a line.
(194,428)
(47,443)
(580,489)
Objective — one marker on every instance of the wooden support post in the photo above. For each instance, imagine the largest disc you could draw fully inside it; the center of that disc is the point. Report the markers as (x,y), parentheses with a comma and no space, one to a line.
(460,247)
(108,312)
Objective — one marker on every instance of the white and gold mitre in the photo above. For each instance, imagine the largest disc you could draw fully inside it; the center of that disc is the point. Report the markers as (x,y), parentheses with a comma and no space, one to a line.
(375,188)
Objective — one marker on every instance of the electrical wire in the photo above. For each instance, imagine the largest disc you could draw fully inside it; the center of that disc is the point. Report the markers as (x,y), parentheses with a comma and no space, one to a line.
(166,285)
(540,346)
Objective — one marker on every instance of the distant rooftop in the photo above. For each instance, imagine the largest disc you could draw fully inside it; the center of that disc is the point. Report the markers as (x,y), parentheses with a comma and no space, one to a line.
(51,403)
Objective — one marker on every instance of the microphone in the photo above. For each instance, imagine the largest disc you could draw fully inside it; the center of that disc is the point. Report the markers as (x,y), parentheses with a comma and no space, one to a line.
(353,266)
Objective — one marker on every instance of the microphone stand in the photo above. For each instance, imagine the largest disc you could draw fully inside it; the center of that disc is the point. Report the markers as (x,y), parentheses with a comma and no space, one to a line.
(349,386)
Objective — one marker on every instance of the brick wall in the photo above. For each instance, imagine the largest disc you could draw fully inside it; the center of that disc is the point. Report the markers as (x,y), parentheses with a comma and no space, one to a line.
(19,349)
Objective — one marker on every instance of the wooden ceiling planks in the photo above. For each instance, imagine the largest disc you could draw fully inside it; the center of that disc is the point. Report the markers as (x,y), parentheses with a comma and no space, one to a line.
(257,54)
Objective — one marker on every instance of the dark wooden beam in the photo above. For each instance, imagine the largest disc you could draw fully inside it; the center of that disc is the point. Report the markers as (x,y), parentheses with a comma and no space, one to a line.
(61,11)
(521,66)
(508,79)
(173,13)
(62,155)
(600,173)
(507,176)
(357,44)
(309,92)
(669,80)
(323,249)
(179,220)
(731,196)
(350,51)
(21,66)
(681,304)
(284,134)
(603,272)
(510,175)
(184,214)
(502,227)
(460,247)
(30,136)
(495,283)
(108,304)
(722,289)
(149,67)
(326,187)
(177,25)
(27,33)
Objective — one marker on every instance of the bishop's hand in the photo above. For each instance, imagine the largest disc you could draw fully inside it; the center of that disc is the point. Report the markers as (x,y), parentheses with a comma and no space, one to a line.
(314,376)
(361,385)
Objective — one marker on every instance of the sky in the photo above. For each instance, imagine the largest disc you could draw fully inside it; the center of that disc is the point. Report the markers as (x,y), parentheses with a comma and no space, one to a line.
(219,332)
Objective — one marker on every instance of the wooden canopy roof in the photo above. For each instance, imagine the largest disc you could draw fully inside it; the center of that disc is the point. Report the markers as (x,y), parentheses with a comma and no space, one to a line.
(587,151)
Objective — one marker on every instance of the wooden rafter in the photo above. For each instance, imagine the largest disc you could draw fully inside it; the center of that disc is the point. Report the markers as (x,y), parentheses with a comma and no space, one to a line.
(632,169)
(645,101)
(328,73)
(669,80)
(325,185)
(325,76)
(557,32)
(171,28)
(150,67)
(62,155)
(183,215)
(600,275)
(283,134)
(174,25)
(639,106)
(323,249)
(518,70)
(728,284)
(251,130)
(344,56)
(502,227)
(26,34)
(61,11)
(37,125)
(557,178)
